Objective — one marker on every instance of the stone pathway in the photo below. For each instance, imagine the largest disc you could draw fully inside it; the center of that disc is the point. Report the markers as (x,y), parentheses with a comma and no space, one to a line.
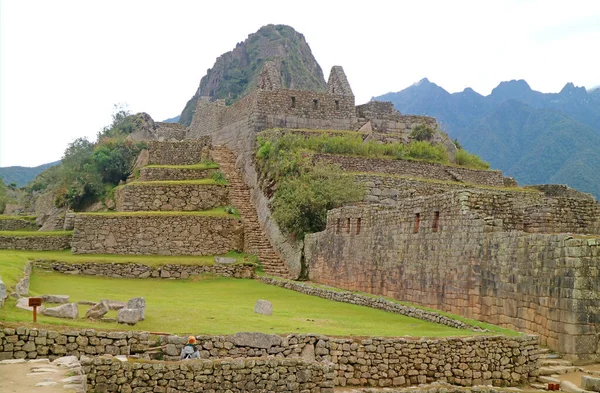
(40,375)
(256,240)
(554,369)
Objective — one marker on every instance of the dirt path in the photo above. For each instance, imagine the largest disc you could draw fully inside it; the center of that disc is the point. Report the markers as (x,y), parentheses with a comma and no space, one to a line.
(25,377)
(575,378)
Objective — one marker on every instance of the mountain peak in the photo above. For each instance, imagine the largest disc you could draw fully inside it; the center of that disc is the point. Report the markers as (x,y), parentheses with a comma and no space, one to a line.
(571,89)
(512,86)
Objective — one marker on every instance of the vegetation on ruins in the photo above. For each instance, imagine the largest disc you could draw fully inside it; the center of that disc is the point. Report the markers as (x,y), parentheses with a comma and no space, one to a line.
(422,133)
(464,158)
(90,170)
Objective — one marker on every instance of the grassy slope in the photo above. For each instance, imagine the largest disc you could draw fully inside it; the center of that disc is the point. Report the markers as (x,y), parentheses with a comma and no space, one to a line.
(35,233)
(224,306)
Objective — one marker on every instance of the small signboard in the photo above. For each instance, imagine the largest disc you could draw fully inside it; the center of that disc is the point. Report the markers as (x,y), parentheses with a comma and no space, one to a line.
(35,302)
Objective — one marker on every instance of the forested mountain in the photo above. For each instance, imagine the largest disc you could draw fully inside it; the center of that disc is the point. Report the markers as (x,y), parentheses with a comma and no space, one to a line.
(21,175)
(535,137)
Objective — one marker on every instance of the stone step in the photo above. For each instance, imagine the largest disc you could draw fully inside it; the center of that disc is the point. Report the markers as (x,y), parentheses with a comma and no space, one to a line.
(555,362)
(558,370)
(546,379)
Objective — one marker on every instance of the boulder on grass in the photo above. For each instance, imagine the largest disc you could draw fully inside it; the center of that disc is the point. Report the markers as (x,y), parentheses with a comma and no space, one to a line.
(130,316)
(69,311)
(138,303)
(263,307)
(60,299)
(97,311)
(114,304)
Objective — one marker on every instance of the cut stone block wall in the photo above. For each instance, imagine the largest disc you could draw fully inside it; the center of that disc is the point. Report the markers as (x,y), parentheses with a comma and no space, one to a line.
(16,224)
(218,376)
(137,270)
(162,234)
(465,262)
(35,243)
(186,152)
(170,197)
(414,168)
(154,174)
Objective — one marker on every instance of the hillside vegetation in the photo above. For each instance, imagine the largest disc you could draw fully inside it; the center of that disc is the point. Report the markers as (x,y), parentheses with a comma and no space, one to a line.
(21,175)
(531,136)
(235,73)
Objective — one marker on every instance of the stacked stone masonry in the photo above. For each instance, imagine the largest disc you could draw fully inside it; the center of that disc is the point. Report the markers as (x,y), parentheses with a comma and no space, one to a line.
(218,376)
(170,197)
(450,252)
(368,301)
(186,152)
(158,173)
(35,243)
(420,169)
(381,362)
(17,224)
(162,234)
(136,270)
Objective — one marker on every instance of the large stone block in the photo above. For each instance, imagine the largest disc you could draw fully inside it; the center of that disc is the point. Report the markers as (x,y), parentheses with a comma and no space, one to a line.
(129,316)
(138,303)
(256,340)
(69,311)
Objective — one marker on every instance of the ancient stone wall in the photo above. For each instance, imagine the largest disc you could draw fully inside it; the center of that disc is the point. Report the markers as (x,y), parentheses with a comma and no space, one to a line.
(441,252)
(186,152)
(35,243)
(157,173)
(164,234)
(26,343)
(16,224)
(483,360)
(137,270)
(219,376)
(420,169)
(369,301)
(170,131)
(383,110)
(170,197)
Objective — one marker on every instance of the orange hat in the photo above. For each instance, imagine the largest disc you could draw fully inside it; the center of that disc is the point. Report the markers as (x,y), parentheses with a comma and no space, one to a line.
(191,340)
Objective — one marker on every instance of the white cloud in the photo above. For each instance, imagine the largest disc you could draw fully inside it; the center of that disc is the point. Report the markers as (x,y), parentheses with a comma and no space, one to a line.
(63,64)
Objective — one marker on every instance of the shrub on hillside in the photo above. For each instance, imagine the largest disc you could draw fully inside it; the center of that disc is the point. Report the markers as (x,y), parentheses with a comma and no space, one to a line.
(422,133)
(301,203)
(464,158)
(427,152)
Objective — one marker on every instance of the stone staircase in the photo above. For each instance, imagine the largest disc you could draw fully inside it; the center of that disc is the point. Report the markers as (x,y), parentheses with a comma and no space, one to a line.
(552,367)
(255,238)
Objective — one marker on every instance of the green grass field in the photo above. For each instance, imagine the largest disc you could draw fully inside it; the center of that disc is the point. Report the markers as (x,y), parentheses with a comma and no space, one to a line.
(222,306)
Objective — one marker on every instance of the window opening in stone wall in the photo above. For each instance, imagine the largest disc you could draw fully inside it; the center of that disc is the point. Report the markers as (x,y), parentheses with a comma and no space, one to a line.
(315,104)
(337,105)
(358,222)
(347,225)
(417,222)
(338,226)
(293,102)
(436,221)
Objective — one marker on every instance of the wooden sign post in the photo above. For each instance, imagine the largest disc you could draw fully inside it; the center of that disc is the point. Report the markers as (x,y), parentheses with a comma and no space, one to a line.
(35,302)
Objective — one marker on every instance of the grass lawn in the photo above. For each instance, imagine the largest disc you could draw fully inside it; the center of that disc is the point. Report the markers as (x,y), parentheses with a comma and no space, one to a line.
(35,233)
(222,306)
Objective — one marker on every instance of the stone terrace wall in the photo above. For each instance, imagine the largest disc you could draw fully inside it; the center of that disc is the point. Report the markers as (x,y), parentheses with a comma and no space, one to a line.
(137,270)
(186,152)
(218,376)
(374,361)
(26,343)
(35,243)
(154,174)
(16,224)
(170,197)
(170,131)
(466,264)
(156,234)
(424,170)
(383,110)
(535,212)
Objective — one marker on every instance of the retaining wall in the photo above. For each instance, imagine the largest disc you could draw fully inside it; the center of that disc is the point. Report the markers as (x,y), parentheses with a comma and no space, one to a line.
(154,174)
(383,362)
(217,376)
(170,197)
(186,152)
(136,270)
(17,224)
(35,243)
(160,234)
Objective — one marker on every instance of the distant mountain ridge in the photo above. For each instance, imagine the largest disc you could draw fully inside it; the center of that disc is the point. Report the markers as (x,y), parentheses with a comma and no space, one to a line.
(235,73)
(535,137)
(22,175)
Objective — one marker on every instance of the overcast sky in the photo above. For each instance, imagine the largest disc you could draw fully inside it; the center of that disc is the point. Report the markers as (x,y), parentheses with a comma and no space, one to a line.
(64,64)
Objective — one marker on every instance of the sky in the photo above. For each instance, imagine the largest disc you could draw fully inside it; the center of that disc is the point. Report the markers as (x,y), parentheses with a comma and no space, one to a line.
(65,64)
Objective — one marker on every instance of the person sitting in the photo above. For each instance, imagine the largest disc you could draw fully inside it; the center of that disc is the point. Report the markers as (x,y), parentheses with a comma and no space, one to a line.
(189,351)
